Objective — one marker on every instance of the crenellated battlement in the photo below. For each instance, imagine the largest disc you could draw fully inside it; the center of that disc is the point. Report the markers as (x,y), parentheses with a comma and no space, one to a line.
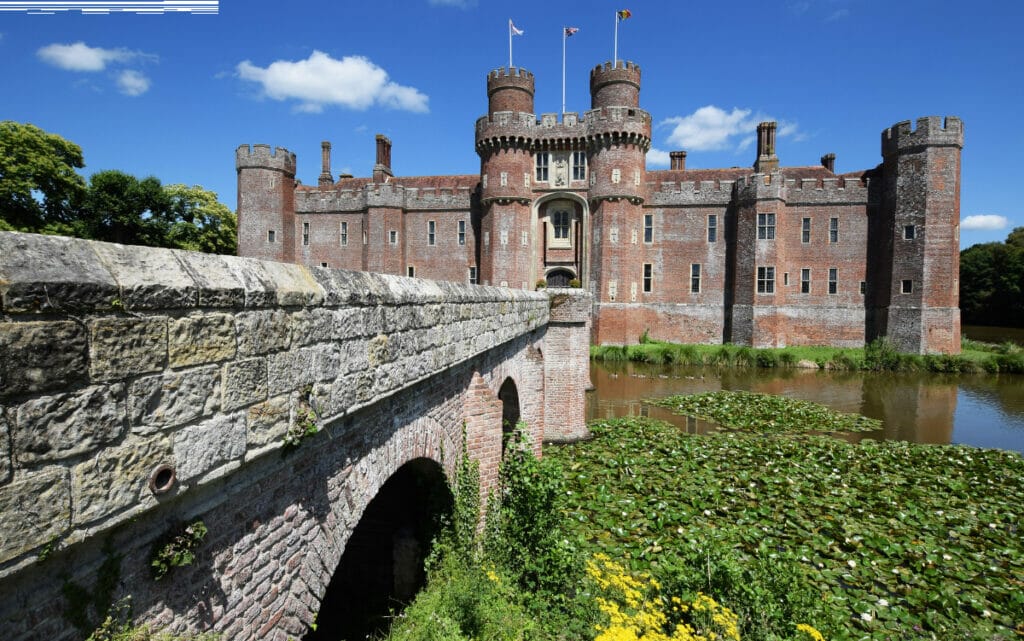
(500,73)
(930,131)
(317,201)
(263,157)
(605,125)
(689,192)
(510,90)
(613,85)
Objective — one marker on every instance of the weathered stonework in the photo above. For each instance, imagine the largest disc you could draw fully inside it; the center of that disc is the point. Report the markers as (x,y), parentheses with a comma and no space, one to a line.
(202,369)
(29,362)
(120,347)
(195,340)
(54,428)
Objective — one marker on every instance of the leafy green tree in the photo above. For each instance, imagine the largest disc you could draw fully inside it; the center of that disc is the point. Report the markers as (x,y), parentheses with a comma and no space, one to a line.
(120,208)
(38,182)
(992,282)
(200,222)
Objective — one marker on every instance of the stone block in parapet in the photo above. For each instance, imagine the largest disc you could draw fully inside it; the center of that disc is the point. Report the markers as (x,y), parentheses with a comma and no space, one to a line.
(263,157)
(930,131)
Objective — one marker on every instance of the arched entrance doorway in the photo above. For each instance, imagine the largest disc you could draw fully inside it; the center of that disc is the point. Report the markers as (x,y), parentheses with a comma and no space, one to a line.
(509,397)
(559,277)
(382,566)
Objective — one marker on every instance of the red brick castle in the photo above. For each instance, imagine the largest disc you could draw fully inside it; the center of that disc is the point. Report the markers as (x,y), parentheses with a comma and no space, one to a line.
(769,256)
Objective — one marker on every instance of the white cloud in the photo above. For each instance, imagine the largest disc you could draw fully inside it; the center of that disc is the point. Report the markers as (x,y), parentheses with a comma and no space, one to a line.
(984,221)
(353,82)
(461,4)
(81,57)
(712,128)
(132,83)
(658,158)
(838,14)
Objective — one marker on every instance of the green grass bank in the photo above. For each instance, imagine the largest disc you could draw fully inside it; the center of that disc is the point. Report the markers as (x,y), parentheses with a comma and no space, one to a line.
(879,355)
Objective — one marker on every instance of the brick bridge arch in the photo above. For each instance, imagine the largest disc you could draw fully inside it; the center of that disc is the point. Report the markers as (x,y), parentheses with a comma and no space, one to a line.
(119,360)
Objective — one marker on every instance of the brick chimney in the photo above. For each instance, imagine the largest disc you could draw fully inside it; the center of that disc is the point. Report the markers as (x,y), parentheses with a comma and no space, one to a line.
(678,159)
(325,164)
(828,161)
(767,161)
(382,169)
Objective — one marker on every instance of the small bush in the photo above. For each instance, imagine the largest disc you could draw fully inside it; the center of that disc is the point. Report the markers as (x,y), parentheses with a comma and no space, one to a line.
(575,283)
(766,358)
(541,283)
(881,355)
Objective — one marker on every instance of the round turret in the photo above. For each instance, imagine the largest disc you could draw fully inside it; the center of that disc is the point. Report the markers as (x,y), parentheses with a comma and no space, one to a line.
(510,89)
(615,86)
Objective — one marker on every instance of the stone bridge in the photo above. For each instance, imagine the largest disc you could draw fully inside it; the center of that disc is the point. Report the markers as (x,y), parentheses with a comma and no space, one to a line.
(287,408)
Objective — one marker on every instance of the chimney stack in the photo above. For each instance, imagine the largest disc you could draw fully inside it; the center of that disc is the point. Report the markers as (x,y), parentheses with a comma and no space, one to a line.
(382,169)
(325,164)
(828,161)
(678,159)
(767,161)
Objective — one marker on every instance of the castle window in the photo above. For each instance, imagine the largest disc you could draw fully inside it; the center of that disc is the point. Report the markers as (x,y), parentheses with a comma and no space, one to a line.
(833,230)
(909,232)
(323,264)
(472,275)
(560,222)
(411,271)
(833,280)
(805,230)
(579,165)
(393,237)
(695,278)
(344,234)
(648,277)
(785,279)
(648,228)
(712,228)
(766,226)
(271,236)
(541,167)
(305,233)
(908,287)
(365,239)
(613,290)
(863,287)
(765,280)
(462,232)
(431,232)
(805,281)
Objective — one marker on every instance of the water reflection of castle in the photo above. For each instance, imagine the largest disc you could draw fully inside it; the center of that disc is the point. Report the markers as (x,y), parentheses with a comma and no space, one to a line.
(912,408)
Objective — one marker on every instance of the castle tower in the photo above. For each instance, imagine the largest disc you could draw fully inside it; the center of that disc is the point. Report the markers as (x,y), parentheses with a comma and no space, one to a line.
(618,138)
(504,141)
(266,202)
(921,208)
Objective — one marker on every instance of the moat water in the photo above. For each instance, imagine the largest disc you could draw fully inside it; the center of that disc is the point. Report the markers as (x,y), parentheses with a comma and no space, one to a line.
(980,410)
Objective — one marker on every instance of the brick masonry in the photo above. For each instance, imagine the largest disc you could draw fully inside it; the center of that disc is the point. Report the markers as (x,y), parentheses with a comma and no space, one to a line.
(117,360)
(624,217)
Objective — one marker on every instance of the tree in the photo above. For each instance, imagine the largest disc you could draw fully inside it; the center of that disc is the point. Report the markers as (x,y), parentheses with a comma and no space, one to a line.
(992,282)
(120,208)
(200,222)
(38,182)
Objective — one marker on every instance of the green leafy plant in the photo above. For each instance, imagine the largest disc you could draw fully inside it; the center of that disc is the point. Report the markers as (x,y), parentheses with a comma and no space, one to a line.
(541,283)
(177,548)
(575,283)
(305,422)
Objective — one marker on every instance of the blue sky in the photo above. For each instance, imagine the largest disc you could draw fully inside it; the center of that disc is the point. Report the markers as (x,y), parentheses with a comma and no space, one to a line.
(173,95)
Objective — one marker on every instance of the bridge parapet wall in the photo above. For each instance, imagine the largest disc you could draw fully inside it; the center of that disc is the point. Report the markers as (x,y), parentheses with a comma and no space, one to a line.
(117,360)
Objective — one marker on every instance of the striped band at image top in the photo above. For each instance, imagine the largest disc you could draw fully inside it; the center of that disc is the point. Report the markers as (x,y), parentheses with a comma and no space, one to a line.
(95,7)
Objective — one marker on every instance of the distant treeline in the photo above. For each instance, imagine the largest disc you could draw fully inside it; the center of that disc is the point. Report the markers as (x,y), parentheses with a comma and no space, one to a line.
(992,282)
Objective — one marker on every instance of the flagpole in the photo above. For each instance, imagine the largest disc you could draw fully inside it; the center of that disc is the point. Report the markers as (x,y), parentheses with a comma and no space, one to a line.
(563,69)
(615,55)
(510,46)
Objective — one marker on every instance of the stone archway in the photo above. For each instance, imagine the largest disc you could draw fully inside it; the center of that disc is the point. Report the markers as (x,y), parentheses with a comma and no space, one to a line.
(508,394)
(559,277)
(381,569)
